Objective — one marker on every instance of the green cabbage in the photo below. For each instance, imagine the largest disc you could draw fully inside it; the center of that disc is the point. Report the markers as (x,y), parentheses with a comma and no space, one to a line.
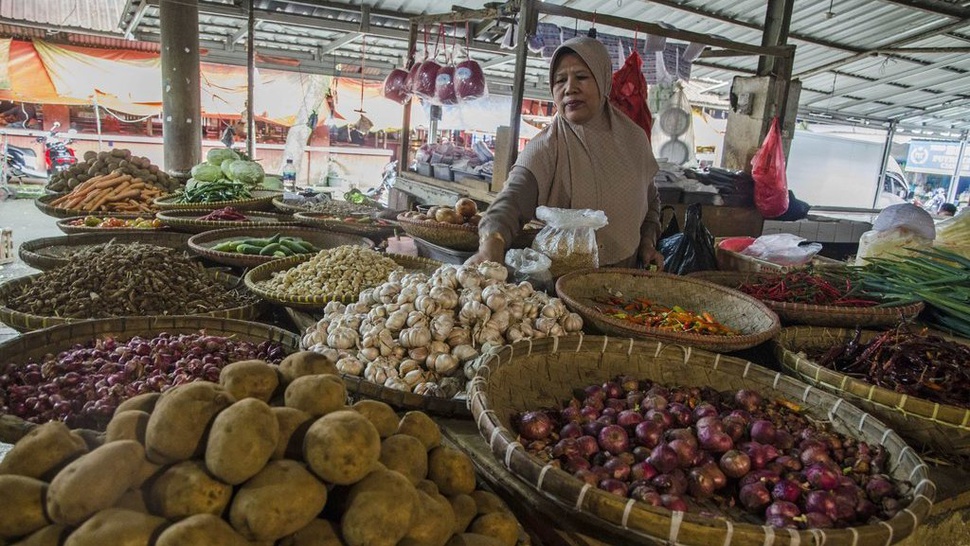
(247,172)
(206,172)
(216,156)
(225,167)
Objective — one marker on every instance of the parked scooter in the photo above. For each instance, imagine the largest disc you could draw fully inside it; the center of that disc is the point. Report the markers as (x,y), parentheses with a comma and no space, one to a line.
(380,193)
(21,163)
(57,155)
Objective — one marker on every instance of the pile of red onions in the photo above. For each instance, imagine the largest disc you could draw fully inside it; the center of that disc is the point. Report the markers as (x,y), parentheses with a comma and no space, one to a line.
(83,386)
(678,447)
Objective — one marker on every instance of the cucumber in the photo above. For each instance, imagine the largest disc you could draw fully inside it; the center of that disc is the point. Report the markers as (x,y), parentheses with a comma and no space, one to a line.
(308,247)
(294,245)
(226,246)
(269,249)
(256,242)
(244,248)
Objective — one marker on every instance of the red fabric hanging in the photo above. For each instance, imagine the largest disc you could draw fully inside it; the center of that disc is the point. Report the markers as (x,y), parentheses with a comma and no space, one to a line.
(629,92)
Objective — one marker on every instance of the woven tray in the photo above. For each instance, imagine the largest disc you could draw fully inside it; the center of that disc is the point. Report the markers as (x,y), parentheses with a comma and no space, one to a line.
(458,237)
(943,428)
(755,322)
(729,260)
(50,252)
(818,315)
(529,375)
(376,232)
(261,200)
(291,208)
(35,345)
(188,220)
(65,225)
(265,271)
(203,242)
(26,322)
(43,204)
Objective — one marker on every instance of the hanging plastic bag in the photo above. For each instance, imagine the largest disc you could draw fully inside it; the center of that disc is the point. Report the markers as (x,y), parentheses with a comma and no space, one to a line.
(530,265)
(768,171)
(783,249)
(673,226)
(569,238)
(689,251)
(395,86)
(629,92)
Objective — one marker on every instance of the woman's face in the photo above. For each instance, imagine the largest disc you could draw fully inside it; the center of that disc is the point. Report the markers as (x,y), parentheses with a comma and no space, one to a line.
(574,89)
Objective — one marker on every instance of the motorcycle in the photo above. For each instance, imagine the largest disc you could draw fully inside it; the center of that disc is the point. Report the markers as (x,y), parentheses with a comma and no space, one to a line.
(388,176)
(21,163)
(57,155)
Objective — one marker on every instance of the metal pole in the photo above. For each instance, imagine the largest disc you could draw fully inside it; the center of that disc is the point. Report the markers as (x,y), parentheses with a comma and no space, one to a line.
(955,180)
(777,25)
(97,121)
(527,25)
(181,103)
(886,152)
(251,83)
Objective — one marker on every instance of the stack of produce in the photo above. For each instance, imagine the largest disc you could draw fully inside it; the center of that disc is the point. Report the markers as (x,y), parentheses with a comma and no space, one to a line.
(421,334)
(334,272)
(114,192)
(117,161)
(114,222)
(329,206)
(134,279)
(464,213)
(276,246)
(692,448)
(268,454)
(223,176)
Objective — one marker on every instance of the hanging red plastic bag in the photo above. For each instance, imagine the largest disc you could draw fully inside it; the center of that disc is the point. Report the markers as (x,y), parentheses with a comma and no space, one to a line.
(395,86)
(629,92)
(768,171)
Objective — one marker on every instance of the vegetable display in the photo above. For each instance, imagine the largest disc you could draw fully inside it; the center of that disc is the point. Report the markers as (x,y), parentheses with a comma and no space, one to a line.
(82,386)
(112,222)
(225,214)
(643,312)
(276,246)
(355,219)
(134,279)
(813,287)
(465,212)
(118,160)
(341,271)
(913,363)
(214,192)
(422,334)
(217,463)
(115,192)
(688,448)
(320,203)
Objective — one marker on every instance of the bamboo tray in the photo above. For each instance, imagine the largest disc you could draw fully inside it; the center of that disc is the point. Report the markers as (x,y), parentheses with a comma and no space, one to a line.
(378,231)
(202,243)
(261,200)
(35,345)
(43,204)
(817,315)
(458,237)
(189,222)
(755,322)
(26,322)
(65,225)
(529,375)
(292,206)
(50,252)
(943,428)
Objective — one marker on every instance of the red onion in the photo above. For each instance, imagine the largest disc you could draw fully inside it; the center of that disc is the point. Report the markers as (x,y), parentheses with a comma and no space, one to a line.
(653,401)
(613,389)
(762,431)
(817,520)
(754,497)
(748,400)
(673,503)
(648,433)
(571,430)
(821,477)
(663,458)
(629,419)
(685,450)
(611,485)
(786,490)
(822,502)
(588,445)
(614,439)
(713,440)
(643,470)
(704,409)
(701,483)
(617,468)
(735,464)
(783,508)
(575,464)
(879,487)
(535,425)
(680,413)
(664,418)
(647,494)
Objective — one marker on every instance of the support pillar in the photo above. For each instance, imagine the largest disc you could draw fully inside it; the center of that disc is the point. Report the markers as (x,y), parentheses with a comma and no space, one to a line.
(181,103)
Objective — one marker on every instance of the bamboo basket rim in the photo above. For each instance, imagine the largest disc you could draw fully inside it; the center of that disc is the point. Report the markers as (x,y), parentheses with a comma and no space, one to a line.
(62,336)
(259,198)
(688,528)
(280,203)
(200,242)
(188,220)
(710,342)
(263,272)
(27,322)
(952,419)
(43,204)
(378,231)
(29,251)
(64,225)
(459,236)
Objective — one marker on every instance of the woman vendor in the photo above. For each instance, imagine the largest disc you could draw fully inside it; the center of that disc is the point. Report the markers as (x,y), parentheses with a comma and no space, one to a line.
(591,156)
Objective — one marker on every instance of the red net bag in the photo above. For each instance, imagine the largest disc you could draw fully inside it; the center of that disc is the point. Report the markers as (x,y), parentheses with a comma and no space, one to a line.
(629,92)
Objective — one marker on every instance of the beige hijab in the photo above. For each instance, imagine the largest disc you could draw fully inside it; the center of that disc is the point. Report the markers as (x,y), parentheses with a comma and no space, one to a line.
(605,164)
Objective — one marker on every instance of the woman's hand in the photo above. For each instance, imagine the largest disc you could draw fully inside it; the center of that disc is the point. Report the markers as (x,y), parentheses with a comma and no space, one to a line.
(650,255)
(490,249)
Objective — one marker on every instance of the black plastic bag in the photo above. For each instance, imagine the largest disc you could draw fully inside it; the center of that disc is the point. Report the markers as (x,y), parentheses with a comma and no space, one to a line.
(689,251)
(673,226)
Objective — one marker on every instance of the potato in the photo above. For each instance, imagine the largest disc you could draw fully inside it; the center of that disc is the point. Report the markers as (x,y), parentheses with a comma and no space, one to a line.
(316,394)
(250,379)
(465,511)
(43,451)
(147,471)
(293,424)
(186,489)
(92,438)
(380,414)
(341,447)
(133,499)
(405,454)
(200,530)
(52,535)
(306,363)
(318,532)
(241,441)
(128,425)
(487,502)
(385,496)
(427,486)
(94,481)
(116,527)
(143,402)
(419,425)
(452,470)
(500,525)
(23,499)
(282,499)
(176,429)
(474,539)
(433,522)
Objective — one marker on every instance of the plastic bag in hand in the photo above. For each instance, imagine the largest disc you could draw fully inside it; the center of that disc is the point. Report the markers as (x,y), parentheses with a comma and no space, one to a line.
(569,238)
(782,249)
(691,250)
(768,171)
(530,265)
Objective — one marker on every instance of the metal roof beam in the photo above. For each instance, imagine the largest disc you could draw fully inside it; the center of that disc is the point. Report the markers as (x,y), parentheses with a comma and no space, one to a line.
(339,42)
(888,79)
(928,88)
(937,7)
(135,20)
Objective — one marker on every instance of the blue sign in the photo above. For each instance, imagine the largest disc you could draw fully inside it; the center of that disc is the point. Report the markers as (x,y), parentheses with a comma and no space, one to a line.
(936,157)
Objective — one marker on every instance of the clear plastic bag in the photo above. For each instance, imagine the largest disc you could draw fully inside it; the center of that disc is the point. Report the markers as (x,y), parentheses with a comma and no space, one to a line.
(898,242)
(530,265)
(782,249)
(569,238)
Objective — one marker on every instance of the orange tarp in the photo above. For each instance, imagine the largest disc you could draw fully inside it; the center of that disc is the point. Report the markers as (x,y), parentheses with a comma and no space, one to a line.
(29,81)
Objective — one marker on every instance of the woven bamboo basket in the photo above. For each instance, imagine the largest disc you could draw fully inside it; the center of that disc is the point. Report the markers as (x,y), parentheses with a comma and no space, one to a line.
(35,345)
(50,252)
(292,206)
(65,225)
(189,222)
(203,242)
(458,237)
(319,301)
(818,315)
(543,373)
(746,315)
(43,204)
(26,322)
(943,428)
(260,200)
(378,231)
(729,260)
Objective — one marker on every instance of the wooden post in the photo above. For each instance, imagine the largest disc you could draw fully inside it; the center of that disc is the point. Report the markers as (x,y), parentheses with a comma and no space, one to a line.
(251,83)
(181,104)
(402,163)
(527,22)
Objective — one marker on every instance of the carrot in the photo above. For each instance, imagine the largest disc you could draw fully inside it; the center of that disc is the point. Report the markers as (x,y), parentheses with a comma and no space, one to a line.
(127,194)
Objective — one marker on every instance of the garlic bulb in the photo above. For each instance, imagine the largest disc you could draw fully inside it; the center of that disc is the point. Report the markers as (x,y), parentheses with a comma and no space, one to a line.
(474,312)
(439,347)
(414,279)
(464,353)
(419,353)
(500,320)
(519,331)
(419,336)
(495,298)
(459,336)
(468,295)
(417,318)
(334,308)
(408,365)
(469,277)
(388,292)
(545,324)
(427,305)
(311,339)
(442,325)
(379,371)
(413,377)
(396,321)
(397,383)
(493,270)
(359,307)
(445,364)
(367,296)
(572,322)
(516,309)
(368,354)
(446,297)
(554,309)
(350,366)
(342,338)
(378,312)
(426,389)
(446,276)
(396,276)
(407,294)
(386,343)
(488,334)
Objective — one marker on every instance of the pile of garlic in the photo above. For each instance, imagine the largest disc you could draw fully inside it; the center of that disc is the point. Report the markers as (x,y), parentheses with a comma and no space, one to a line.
(423,334)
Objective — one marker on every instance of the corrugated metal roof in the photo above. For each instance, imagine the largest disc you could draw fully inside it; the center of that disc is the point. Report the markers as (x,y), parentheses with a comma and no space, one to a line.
(97,15)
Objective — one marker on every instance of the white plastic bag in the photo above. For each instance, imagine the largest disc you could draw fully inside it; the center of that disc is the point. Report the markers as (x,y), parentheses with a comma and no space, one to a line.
(530,265)
(782,249)
(569,238)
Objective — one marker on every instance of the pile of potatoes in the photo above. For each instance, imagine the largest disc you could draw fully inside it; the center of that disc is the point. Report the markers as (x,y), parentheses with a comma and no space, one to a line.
(269,455)
(118,161)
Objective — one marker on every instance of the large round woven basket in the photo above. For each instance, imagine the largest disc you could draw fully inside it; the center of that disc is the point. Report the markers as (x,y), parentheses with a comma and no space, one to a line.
(377,230)
(817,315)
(50,252)
(746,315)
(943,428)
(292,206)
(319,301)
(530,375)
(203,242)
(260,200)
(458,237)
(66,226)
(43,204)
(35,345)
(26,322)
(189,220)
